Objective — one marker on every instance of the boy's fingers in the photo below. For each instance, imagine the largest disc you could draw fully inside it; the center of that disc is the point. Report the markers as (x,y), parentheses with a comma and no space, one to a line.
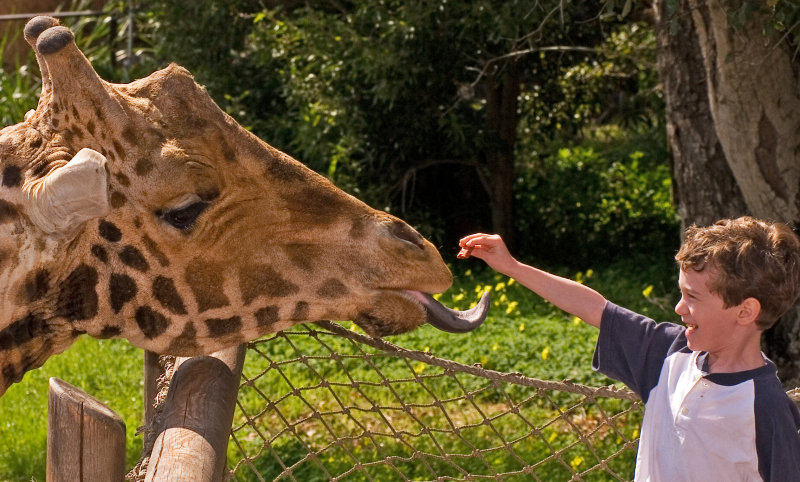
(464,253)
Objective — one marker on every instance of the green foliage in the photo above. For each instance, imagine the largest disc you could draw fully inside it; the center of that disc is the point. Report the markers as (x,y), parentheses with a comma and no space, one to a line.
(582,204)
(110,370)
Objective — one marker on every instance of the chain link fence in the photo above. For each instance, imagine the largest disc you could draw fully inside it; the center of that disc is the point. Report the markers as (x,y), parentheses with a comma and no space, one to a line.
(321,402)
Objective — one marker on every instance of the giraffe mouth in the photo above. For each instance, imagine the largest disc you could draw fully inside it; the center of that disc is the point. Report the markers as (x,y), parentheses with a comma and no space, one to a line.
(452,321)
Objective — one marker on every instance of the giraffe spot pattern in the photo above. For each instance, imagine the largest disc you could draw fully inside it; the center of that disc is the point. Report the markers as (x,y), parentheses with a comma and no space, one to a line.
(36,285)
(257,280)
(118,200)
(22,331)
(8,212)
(12,176)
(143,167)
(218,327)
(303,255)
(267,316)
(186,342)
(109,331)
(77,298)
(132,257)
(121,289)
(332,288)
(100,253)
(152,323)
(154,251)
(301,310)
(123,179)
(36,143)
(205,281)
(165,292)
(109,231)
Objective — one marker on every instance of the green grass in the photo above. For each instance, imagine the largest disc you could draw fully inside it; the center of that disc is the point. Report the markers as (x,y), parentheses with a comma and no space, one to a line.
(523,334)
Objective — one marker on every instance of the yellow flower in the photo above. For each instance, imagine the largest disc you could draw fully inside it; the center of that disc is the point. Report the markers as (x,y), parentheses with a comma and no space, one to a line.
(576,320)
(552,438)
(495,347)
(484,360)
(545,353)
(576,462)
(522,327)
(647,291)
(511,307)
(459,296)
(419,367)
(500,286)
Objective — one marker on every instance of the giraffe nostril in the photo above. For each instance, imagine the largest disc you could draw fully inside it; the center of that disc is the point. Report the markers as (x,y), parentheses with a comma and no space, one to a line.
(406,233)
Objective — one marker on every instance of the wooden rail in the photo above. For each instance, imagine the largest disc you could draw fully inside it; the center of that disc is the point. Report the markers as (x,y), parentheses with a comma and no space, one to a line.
(85,439)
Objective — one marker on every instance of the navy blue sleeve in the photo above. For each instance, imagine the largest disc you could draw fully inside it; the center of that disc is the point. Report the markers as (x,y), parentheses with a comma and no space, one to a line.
(777,439)
(631,348)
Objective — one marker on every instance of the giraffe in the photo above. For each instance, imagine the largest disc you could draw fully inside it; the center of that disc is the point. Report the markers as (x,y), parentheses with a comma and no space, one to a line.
(143,211)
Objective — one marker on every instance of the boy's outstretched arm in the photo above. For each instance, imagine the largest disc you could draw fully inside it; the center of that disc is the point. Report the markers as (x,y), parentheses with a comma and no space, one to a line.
(572,297)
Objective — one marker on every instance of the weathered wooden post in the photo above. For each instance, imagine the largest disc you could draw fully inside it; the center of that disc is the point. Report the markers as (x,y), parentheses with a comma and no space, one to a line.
(85,439)
(196,419)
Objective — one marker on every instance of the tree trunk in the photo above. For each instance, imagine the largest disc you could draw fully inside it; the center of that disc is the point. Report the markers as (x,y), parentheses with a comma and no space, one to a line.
(502,93)
(752,97)
(703,185)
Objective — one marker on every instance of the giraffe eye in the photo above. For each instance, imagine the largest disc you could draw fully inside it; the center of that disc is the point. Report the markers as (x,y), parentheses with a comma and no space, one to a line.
(183,218)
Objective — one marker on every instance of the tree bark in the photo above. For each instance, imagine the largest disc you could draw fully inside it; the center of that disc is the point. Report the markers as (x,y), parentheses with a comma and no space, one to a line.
(502,94)
(749,119)
(703,185)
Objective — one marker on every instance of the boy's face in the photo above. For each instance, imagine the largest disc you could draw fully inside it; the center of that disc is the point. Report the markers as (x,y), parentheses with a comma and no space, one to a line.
(708,323)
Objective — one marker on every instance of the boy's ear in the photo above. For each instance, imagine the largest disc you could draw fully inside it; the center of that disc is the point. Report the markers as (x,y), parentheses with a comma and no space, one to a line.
(748,311)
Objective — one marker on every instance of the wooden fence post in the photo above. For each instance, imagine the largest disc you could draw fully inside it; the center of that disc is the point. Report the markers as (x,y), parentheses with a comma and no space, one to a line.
(85,439)
(198,412)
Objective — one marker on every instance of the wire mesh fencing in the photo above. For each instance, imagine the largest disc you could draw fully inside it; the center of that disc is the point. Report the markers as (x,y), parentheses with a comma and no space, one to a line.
(321,402)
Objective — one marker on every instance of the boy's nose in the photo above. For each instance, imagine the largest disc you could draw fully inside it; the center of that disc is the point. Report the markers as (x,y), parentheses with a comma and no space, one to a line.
(680,307)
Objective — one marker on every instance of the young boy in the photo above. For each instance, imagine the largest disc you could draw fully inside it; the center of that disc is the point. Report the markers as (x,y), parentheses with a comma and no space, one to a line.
(714,407)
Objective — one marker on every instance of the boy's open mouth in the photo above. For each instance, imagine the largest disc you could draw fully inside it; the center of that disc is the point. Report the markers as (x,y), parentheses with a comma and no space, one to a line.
(690,328)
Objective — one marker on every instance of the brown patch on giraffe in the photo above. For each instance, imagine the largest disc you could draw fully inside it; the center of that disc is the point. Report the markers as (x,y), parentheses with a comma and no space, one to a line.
(152,248)
(36,142)
(121,289)
(118,200)
(358,229)
(332,288)
(109,231)
(109,331)
(77,297)
(260,279)
(130,137)
(301,310)
(22,331)
(12,176)
(319,207)
(90,127)
(35,286)
(143,167)
(100,253)
(122,179)
(205,281)
(186,342)
(134,258)
(218,327)
(152,323)
(267,316)
(8,212)
(165,292)
(303,255)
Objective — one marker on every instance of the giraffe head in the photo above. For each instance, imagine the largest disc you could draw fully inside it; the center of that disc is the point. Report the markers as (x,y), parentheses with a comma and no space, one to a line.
(143,211)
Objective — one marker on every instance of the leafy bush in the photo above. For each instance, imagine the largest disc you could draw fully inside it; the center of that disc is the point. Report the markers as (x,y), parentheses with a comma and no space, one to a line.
(587,204)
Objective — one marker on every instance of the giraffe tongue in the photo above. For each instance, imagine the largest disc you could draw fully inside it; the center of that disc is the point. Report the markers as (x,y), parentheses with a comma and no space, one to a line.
(453,321)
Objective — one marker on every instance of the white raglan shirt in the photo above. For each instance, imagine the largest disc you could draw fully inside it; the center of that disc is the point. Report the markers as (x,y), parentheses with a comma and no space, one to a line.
(698,426)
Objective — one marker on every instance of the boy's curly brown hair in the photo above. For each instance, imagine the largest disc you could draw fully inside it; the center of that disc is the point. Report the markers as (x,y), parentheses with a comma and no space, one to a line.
(749,258)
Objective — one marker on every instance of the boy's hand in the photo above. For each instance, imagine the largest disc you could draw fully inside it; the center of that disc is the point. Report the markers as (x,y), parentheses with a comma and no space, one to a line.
(490,248)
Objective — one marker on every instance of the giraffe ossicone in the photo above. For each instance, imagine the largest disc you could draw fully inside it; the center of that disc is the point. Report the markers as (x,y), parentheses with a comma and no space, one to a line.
(143,211)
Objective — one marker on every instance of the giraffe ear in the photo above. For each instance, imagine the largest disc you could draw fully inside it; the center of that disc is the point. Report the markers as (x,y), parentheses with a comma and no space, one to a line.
(71,194)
